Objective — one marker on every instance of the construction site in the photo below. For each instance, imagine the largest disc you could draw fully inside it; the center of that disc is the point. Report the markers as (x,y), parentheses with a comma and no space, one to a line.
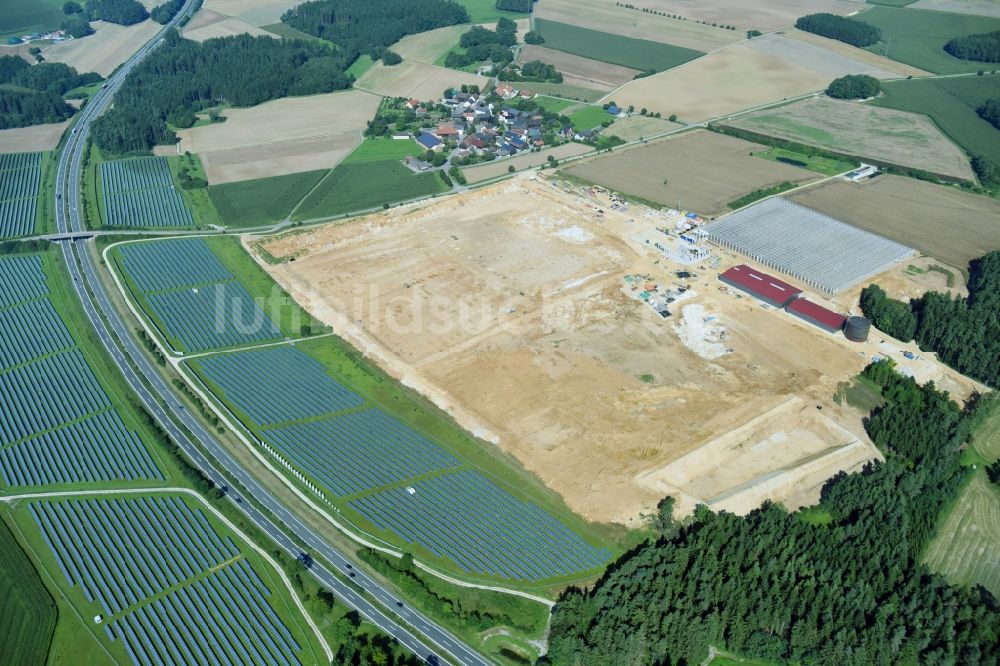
(598,342)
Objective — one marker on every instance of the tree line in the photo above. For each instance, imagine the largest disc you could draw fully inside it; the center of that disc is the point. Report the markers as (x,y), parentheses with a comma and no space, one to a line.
(983,48)
(358,27)
(850,31)
(183,77)
(35,95)
(520,6)
(122,12)
(774,586)
(990,111)
(854,86)
(963,331)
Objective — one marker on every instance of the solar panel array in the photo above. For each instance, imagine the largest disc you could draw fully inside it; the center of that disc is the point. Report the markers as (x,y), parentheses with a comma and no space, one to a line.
(363,454)
(139,192)
(196,300)
(823,252)
(57,424)
(20,178)
(172,589)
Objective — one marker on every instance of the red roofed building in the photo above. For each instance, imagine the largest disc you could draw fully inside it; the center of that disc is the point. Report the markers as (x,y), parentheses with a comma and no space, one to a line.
(817,315)
(762,286)
(446,131)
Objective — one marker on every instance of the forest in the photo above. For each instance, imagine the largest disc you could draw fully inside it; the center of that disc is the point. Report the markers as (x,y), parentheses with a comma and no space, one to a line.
(854,86)
(850,31)
(520,6)
(534,70)
(362,26)
(163,13)
(33,94)
(990,111)
(183,77)
(983,48)
(964,332)
(840,585)
(481,44)
(123,12)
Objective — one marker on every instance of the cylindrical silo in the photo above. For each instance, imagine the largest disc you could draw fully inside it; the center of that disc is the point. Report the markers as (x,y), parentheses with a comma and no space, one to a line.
(856,329)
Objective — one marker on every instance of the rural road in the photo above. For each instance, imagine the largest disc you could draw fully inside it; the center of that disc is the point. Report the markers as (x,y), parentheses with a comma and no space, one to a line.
(185,430)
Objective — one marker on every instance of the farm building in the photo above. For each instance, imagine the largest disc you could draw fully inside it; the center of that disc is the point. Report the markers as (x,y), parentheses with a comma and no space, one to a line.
(762,286)
(429,141)
(819,250)
(827,319)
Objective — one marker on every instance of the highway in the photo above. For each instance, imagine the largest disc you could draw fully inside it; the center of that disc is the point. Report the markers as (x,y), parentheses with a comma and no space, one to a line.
(185,430)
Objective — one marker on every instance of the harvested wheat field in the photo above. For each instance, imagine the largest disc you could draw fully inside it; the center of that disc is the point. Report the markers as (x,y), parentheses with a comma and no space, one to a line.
(898,69)
(428,47)
(941,221)
(980,7)
(496,168)
(414,79)
(720,84)
(702,171)
(897,137)
(282,136)
(227,27)
(606,16)
(507,306)
(636,127)
(102,52)
(815,57)
(764,16)
(254,12)
(578,70)
(31,139)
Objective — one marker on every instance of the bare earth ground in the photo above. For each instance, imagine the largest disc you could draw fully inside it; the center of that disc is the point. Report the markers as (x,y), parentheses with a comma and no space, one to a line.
(815,57)
(899,137)
(507,307)
(855,54)
(941,221)
(578,70)
(414,79)
(982,7)
(636,127)
(718,84)
(31,139)
(701,170)
(226,28)
(102,52)
(764,16)
(603,15)
(499,167)
(282,136)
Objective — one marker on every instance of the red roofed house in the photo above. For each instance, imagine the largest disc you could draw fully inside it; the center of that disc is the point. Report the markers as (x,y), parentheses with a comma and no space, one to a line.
(446,131)
(413,103)
(762,286)
(828,320)
(504,90)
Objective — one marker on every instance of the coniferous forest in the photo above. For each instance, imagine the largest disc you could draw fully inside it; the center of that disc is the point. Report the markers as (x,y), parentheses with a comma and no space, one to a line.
(850,31)
(983,48)
(35,95)
(848,589)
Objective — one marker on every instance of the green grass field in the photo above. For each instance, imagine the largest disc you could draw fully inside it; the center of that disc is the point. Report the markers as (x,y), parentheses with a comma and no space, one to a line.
(29,612)
(892,3)
(381,149)
(951,103)
(360,66)
(589,117)
(23,17)
(638,54)
(356,187)
(824,165)
(197,200)
(555,104)
(987,438)
(483,11)
(917,37)
(252,203)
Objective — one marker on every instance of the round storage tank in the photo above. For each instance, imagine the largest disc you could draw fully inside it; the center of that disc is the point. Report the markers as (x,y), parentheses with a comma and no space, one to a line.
(856,329)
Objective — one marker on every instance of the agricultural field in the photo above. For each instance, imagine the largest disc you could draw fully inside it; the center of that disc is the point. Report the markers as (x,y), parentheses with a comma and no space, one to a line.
(109,46)
(637,127)
(865,58)
(485,11)
(505,307)
(189,290)
(720,84)
(59,425)
(32,139)
(496,168)
(827,166)
(577,70)
(20,179)
(987,438)
(637,54)
(815,57)
(251,203)
(951,103)
(897,137)
(19,18)
(222,18)
(911,212)
(152,566)
(370,459)
(30,615)
(414,79)
(607,16)
(280,137)
(582,93)
(967,546)
(702,171)
(213,25)
(589,117)
(980,7)
(140,193)
(430,47)
(773,15)
(379,149)
(359,186)
(918,37)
